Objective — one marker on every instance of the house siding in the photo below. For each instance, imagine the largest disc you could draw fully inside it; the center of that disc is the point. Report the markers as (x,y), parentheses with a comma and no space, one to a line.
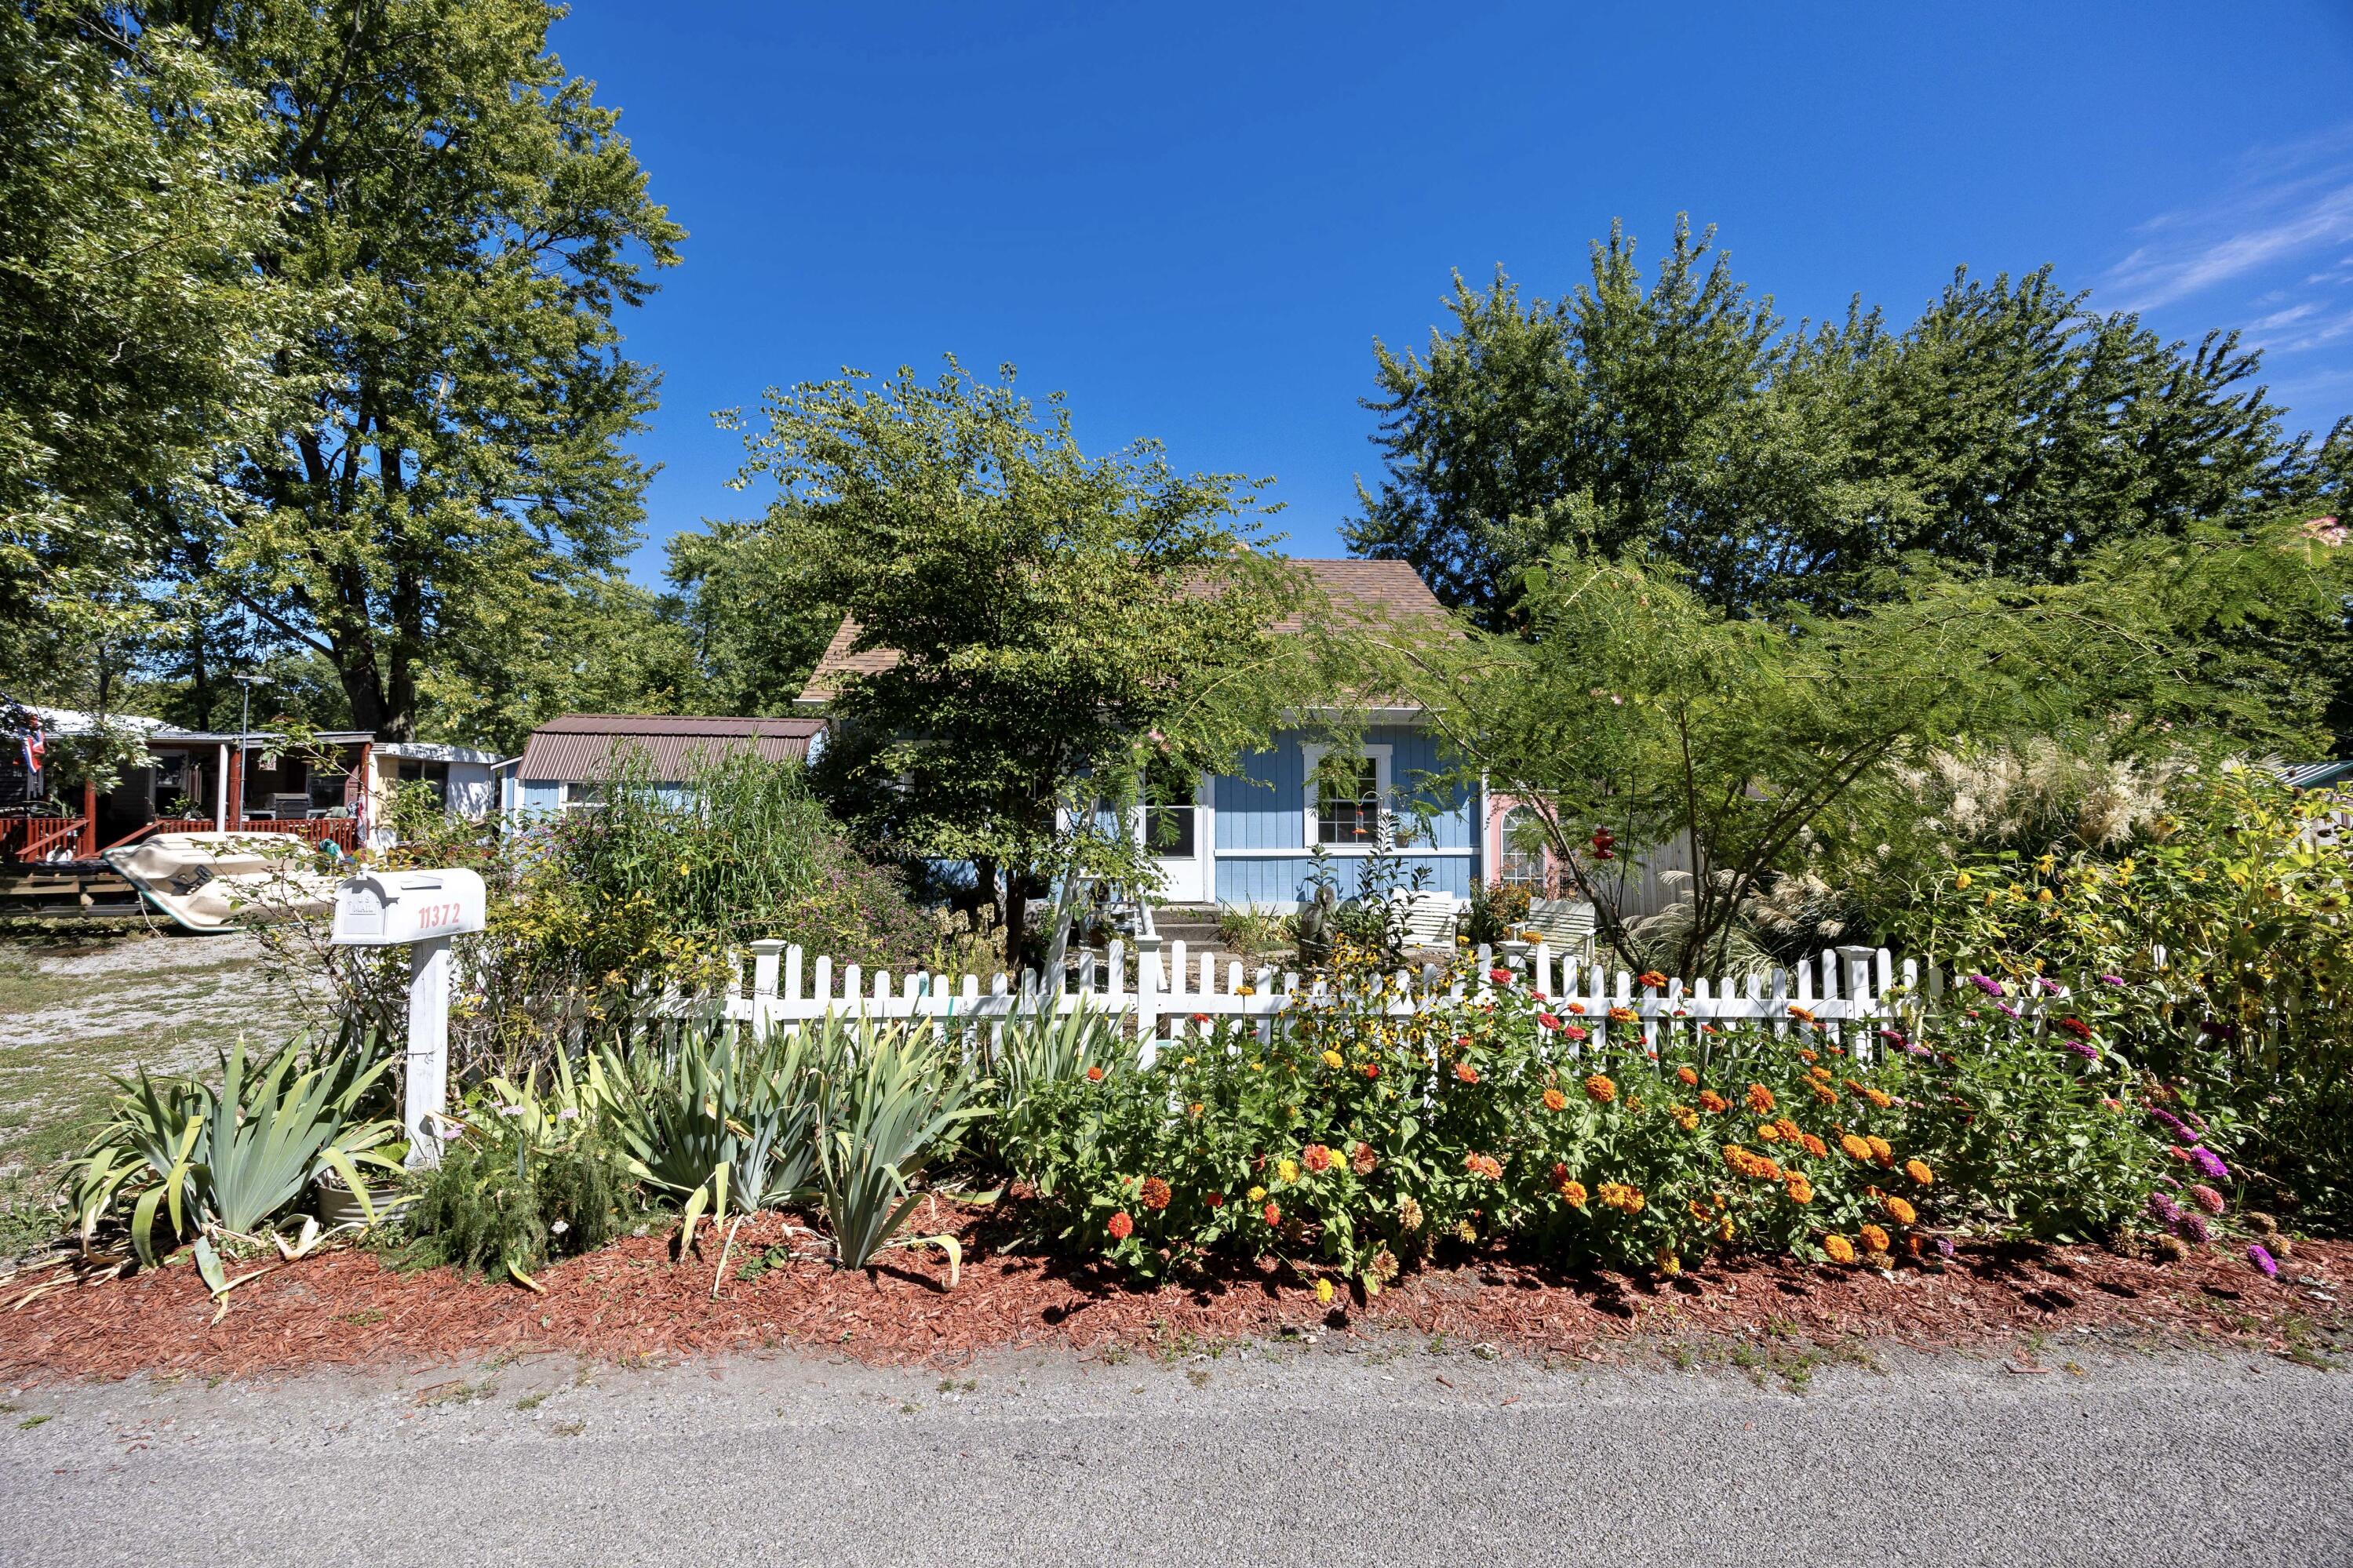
(1262,808)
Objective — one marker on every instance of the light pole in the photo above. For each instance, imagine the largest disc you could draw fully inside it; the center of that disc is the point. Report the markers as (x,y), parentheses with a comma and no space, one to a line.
(244,724)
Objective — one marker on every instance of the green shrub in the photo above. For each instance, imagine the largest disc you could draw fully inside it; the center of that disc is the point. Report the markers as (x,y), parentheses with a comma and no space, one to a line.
(523,1178)
(721,1123)
(227,1160)
(2218,959)
(887,1104)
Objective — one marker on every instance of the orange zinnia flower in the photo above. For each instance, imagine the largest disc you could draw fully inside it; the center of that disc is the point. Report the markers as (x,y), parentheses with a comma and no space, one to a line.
(1554,1100)
(1621,1015)
(1815,1146)
(1880,1150)
(1121,1226)
(1856,1148)
(1094,1075)
(1788,1129)
(1362,1159)
(1801,1191)
(1689,1078)
(1600,1089)
(1903,1213)
(1271,1213)
(1918,1171)
(1713,1102)
(1466,1072)
(1156,1192)
(1315,1157)
(1760,1100)
(1841,1249)
(1874,1238)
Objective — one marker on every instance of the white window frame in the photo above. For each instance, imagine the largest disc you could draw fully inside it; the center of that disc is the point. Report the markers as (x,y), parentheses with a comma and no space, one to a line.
(566,801)
(1385,836)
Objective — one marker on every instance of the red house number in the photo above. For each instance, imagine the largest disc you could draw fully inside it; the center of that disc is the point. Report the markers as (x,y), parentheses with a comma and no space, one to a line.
(433,916)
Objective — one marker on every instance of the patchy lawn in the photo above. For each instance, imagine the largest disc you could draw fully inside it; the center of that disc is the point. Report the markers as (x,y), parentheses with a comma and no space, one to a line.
(75,1013)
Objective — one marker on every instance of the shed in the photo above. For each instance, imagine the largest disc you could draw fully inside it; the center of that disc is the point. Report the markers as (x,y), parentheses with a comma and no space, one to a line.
(567,760)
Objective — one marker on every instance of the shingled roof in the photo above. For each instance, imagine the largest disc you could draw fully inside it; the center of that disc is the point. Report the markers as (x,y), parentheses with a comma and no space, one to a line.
(584,745)
(1371,587)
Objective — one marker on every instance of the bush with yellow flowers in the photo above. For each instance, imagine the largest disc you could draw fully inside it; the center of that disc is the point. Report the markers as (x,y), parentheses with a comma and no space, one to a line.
(2208,970)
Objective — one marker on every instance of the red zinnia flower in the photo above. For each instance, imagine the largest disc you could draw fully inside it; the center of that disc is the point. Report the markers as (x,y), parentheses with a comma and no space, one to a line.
(1466,1072)
(1213,1200)
(1500,976)
(1121,1226)
(1548,1020)
(1271,1213)
(1371,1070)
(1094,1075)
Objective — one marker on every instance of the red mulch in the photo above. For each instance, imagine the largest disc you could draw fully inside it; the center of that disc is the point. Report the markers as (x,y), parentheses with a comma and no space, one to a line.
(631,1301)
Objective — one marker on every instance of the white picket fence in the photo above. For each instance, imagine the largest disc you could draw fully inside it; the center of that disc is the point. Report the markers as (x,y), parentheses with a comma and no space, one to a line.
(1173,993)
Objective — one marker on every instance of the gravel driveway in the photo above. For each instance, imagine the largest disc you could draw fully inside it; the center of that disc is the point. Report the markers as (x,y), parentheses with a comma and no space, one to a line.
(1297,1459)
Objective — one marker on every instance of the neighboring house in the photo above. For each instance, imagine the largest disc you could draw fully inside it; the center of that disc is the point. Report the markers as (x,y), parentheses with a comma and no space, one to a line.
(195,781)
(567,762)
(1247,838)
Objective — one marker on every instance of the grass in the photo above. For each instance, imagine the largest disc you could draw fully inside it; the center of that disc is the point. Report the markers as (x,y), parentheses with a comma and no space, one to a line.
(85,1028)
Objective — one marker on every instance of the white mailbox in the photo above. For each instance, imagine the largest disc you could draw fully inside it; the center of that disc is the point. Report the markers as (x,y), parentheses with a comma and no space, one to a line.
(420,910)
(385,909)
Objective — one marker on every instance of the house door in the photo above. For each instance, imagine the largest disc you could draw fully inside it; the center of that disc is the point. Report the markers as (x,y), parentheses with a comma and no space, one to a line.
(1177,835)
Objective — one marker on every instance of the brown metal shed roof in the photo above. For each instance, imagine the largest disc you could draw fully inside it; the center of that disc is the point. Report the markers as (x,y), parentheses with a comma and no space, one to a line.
(584,745)
(1366,588)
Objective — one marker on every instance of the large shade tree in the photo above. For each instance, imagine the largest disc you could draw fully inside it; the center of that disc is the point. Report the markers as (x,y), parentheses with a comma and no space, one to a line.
(463,224)
(1056,629)
(2011,428)
(136,332)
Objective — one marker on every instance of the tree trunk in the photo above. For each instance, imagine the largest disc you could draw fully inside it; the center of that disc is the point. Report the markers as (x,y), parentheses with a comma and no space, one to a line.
(1017,921)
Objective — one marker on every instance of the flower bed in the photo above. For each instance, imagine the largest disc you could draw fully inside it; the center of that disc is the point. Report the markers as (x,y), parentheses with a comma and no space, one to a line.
(1355,1137)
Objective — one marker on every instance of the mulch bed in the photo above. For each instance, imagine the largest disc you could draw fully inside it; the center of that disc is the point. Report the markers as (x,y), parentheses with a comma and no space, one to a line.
(632,1301)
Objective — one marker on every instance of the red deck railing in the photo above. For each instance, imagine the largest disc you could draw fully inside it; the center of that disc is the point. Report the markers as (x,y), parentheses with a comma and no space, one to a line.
(339,831)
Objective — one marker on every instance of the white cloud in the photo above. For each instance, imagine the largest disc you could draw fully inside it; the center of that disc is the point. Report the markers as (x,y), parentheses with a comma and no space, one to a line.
(2255,231)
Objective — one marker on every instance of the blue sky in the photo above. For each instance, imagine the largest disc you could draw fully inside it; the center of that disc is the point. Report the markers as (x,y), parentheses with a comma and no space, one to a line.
(1196,219)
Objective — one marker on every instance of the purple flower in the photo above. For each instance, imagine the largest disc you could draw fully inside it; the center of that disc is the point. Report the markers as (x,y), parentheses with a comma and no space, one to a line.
(2050,986)
(2208,1198)
(2111,980)
(2163,1209)
(1893,1037)
(2084,1048)
(2006,1010)
(2173,1124)
(2191,1228)
(1944,1247)
(1986,985)
(2262,1258)
(2169,1182)
(2206,1160)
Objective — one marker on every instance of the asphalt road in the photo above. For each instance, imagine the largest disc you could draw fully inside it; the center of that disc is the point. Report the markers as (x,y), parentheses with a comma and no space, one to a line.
(1298,1457)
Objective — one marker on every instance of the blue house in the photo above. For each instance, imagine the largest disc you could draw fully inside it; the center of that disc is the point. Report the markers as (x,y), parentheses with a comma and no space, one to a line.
(1249,838)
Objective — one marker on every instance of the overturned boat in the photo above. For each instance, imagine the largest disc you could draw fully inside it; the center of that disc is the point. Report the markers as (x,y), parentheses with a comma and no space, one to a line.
(218,881)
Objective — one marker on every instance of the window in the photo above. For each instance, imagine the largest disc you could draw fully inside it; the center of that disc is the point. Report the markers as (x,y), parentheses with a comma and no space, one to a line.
(1522,862)
(1168,831)
(1349,802)
(583,795)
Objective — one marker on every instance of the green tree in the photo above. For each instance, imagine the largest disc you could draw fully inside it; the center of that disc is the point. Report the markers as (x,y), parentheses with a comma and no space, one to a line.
(1059,625)
(135,331)
(465,222)
(754,643)
(2010,427)
(1631,713)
